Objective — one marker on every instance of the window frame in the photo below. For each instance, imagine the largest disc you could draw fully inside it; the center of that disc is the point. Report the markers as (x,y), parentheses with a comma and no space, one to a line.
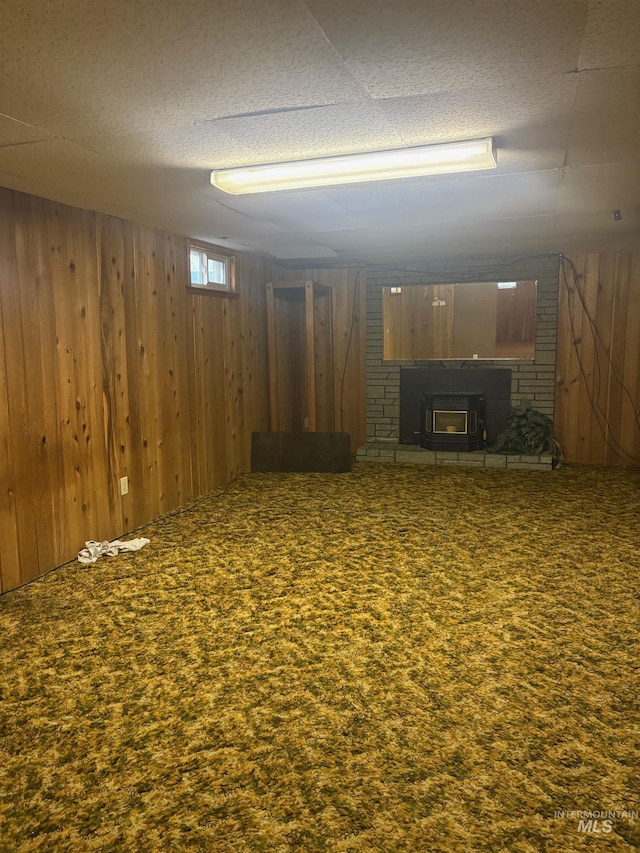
(215,253)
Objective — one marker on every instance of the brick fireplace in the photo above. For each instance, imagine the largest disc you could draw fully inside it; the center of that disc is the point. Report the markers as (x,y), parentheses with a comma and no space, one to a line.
(531,380)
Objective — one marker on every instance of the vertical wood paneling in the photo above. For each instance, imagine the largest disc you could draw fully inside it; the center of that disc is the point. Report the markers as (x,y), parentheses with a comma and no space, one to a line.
(109,324)
(112,254)
(568,376)
(36,326)
(10,550)
(9,539)
(349,402)
(234,411)
(598,360)
(94,508)
(288,378)
(272,352)
(348,304)
(253,307)
(109,367)
(324,373)
(146,368)
(310,357)
(589,384)
(18,361)
(599,430)
(178,305)
(629,426)
(215,391)
(349,336)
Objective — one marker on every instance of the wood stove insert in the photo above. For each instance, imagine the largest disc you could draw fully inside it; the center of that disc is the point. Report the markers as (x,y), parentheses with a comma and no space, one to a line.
(453,422)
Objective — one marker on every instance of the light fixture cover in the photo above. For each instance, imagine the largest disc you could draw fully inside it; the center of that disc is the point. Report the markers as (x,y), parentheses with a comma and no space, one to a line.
(441,159)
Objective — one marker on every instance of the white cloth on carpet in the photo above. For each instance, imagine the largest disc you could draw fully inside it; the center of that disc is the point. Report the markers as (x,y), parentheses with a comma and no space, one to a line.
(94,550)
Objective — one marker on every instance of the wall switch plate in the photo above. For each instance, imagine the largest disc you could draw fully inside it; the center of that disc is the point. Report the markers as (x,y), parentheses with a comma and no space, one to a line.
(124,485)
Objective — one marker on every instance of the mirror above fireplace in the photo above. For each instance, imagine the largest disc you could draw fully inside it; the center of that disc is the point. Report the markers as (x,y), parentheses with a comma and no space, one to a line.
(471,320)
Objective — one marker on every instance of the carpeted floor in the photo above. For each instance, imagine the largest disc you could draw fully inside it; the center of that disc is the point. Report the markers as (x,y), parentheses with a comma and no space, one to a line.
(393,659)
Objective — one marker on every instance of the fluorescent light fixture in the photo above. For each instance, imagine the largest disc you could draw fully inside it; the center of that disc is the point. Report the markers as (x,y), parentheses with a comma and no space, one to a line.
(354,168)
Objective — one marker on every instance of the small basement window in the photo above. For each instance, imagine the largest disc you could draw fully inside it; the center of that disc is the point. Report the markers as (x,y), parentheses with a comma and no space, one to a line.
(211,270)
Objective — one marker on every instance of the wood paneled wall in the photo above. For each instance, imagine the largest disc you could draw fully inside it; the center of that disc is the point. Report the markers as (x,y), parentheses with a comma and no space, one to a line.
(110,368)
(349,394)
(598,364)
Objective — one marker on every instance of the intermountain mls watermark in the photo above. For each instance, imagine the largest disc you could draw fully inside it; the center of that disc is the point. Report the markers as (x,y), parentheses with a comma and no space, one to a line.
(598,822)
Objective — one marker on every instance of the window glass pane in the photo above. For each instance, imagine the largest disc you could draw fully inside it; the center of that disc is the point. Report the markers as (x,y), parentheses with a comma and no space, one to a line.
(210,270)
(216,271)
(196,267)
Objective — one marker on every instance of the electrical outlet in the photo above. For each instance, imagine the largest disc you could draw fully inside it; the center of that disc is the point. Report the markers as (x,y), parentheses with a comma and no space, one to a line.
(124,485)
(306,423)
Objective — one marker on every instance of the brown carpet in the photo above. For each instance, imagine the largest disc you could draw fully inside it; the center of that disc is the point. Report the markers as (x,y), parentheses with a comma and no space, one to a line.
(393,659)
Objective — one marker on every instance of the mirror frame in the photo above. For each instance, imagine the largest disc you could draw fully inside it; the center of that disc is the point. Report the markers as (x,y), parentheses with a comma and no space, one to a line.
(460,321)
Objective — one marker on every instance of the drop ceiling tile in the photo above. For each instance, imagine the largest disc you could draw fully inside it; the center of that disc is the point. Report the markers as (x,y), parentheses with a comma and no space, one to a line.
(599,189)
(598,232)
(451,45)
(530,125)
(139,99)
(13,132)
(391,203)
(195,214)
(294,246)
(70,174)
(189,146)
(380,243)
(127,65)
(612,34)
(290,135)
(330,130)
(451,199)
(58,169)
(500,197)
(508,237)
(515,228)
(307,210)
(605,124)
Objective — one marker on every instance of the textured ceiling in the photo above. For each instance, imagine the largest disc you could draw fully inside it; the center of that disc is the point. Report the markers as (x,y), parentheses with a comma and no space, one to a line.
(125,107)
